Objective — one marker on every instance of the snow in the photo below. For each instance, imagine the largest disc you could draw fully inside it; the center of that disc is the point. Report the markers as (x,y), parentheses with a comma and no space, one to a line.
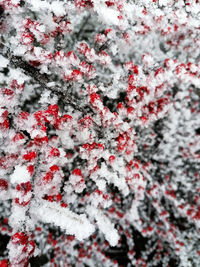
(131,114)
(106,15)
(58,8)
(71,223)
(104,225)
(3,62)
(20,175)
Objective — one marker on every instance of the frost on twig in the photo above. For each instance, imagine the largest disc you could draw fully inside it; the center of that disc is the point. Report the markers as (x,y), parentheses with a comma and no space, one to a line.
(99,132)
(104,225)
(70,222)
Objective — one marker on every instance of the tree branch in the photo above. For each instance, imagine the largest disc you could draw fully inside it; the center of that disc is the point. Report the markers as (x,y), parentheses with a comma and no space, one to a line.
(43,79)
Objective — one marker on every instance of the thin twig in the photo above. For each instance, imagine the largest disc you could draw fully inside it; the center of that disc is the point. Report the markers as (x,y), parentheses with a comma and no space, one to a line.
(43,79)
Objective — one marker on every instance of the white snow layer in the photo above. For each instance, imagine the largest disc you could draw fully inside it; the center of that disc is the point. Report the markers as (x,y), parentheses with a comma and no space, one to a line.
(72,223)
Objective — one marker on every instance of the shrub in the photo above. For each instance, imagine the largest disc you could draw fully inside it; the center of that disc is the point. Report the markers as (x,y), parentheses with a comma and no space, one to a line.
(99,132)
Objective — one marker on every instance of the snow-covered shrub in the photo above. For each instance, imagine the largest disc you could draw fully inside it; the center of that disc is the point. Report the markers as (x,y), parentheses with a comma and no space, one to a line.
(99,133)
